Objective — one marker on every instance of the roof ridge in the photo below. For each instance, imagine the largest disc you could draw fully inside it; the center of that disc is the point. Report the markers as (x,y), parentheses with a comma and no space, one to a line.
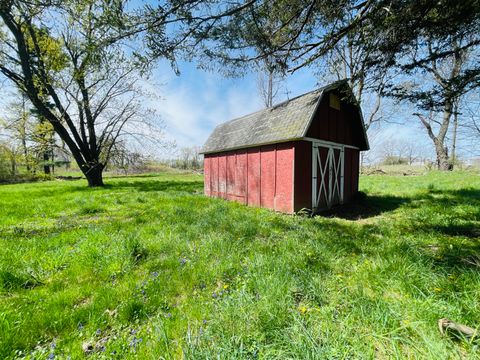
(294,98)
(321,88)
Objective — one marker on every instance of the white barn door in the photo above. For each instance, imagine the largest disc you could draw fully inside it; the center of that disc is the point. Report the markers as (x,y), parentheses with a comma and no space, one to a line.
(327,174)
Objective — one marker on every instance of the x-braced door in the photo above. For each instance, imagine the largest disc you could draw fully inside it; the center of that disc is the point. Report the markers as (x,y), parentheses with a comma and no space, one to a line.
(327,175)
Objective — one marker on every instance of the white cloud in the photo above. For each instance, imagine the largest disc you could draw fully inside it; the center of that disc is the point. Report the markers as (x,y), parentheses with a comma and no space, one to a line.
(190,110)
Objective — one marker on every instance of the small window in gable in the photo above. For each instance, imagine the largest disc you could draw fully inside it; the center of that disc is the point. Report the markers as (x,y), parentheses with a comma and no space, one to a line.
(334,101)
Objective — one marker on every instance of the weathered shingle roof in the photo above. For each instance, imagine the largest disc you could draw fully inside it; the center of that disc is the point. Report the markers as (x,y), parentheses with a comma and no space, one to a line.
(286,121)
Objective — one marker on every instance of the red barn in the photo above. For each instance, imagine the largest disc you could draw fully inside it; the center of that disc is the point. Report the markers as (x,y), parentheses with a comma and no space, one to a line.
(302,153)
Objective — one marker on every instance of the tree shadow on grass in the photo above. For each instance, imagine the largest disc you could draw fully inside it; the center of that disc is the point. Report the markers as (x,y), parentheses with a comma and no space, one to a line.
(466,230)
(444,256)
(365,206)
(440,227)
(460,207)
(147,185)
(160,185)
(148,175)
(465,256)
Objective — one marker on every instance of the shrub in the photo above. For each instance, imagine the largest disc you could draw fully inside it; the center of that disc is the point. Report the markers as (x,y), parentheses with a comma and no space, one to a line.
(395,160)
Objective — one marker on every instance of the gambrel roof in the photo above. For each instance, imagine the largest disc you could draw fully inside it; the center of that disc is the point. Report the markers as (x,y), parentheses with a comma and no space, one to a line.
(283,122)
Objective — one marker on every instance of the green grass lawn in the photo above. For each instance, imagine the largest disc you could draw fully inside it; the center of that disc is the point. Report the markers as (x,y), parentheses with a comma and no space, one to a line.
(149,268)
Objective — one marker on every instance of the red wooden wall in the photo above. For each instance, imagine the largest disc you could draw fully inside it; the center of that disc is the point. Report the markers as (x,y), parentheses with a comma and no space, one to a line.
(259,176)
(352,169)
(303,175)
(277,177)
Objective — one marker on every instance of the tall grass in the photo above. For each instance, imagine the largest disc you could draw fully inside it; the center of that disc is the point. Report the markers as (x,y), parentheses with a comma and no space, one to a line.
(149,268)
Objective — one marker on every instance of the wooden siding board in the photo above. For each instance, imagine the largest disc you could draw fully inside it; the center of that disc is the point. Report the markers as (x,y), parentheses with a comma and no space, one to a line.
(241,177)
(303,175)
(267,178)
(253,177)
(320,123)
(214,175)
(332,124)
(206,175)
(230,175)
(222,176)
(341,128)
(284,177)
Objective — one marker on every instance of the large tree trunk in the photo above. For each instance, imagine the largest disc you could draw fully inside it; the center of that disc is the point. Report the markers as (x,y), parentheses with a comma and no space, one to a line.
(46,166)
(441,151)
(53,161)
(94,176)
(443,161)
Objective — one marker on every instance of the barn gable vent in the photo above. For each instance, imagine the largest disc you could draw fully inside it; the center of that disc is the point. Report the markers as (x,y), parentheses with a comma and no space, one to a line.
(334,101)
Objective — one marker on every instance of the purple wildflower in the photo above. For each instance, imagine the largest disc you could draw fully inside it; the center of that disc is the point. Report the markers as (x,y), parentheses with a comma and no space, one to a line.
(135,341)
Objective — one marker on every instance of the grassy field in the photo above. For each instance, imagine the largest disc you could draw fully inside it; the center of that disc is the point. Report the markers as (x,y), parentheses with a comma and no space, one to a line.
(148,268)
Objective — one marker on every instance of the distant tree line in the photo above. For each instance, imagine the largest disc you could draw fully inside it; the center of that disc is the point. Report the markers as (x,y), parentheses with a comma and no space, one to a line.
(187,158)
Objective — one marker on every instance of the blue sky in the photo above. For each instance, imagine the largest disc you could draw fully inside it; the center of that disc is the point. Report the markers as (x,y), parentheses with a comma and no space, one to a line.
(193,103)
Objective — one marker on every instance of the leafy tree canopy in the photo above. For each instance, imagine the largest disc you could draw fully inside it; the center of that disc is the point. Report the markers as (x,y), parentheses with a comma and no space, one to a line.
(301,32)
